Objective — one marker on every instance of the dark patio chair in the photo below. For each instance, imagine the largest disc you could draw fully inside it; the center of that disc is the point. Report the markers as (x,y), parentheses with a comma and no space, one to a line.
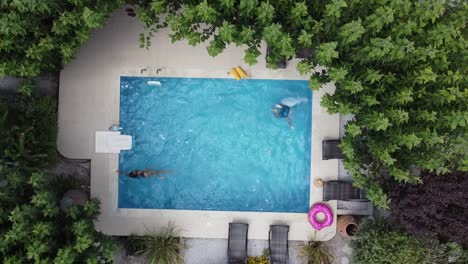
(342,191)
(304,53)
(278,244)
(330,150)
(283,61)
(237,243)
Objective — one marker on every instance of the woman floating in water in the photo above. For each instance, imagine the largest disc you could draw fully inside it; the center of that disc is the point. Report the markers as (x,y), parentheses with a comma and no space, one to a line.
(143,173)
(284,109)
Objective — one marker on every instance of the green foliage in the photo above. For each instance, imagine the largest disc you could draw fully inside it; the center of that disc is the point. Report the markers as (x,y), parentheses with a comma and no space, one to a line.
(379,241)
(131,245)
(40,36)
(161,247)
(399,67)
(351,32)
(251,55)
(60,184)
(326,52)
(316,253)
(33,229)
(245,22)
(28,131)
(440,253)
(25,87)
(376,242)
(304,67)
(263,259)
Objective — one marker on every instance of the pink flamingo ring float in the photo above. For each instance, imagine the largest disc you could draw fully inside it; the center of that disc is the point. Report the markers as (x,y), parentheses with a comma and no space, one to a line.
(325,210)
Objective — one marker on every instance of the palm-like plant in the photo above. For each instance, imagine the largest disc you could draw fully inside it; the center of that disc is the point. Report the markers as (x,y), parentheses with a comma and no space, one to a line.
(161,247)
(316,253)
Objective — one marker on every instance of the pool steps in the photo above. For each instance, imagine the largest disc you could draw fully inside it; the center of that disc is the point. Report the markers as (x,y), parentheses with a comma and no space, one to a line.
(112,142)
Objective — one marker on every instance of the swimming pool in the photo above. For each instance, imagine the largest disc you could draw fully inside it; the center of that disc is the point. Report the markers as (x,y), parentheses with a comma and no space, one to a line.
(218,139)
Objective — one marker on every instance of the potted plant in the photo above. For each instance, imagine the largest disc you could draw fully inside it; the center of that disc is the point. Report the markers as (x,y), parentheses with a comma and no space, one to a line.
(347,226)
(163,247)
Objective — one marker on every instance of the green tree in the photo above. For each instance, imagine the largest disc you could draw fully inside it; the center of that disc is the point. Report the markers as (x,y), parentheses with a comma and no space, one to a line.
(33,229)
(399,67)
(41,35)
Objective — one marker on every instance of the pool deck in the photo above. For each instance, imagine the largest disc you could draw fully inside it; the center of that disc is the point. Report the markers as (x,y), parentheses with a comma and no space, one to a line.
(89,101)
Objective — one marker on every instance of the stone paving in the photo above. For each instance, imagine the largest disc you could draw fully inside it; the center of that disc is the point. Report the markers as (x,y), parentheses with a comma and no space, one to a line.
(340,248)
(214,251)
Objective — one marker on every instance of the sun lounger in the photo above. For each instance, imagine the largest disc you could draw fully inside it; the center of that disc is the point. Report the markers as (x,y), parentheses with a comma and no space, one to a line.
(330,150)
(278,244)
(237,243)
(342,191)
(304,53)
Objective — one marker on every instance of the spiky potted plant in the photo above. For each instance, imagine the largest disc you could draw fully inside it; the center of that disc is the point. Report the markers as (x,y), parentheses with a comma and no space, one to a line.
(163,247)
(316,253)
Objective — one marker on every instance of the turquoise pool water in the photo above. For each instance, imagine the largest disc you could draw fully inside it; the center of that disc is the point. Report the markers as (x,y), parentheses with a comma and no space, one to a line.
(218,139)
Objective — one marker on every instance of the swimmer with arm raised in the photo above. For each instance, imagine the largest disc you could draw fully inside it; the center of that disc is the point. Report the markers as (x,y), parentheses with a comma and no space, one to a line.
(284,109)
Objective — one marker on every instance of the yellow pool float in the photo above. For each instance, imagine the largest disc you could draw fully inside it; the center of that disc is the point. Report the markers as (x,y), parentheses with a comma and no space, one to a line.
(238,73)
(241,72)
(235,74)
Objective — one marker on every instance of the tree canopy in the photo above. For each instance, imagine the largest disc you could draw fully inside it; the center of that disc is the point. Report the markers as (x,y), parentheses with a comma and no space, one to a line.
(399,67)
(38,36)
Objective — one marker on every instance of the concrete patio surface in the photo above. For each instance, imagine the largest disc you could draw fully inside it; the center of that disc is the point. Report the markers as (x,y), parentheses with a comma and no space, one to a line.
(214,251)
(89,101)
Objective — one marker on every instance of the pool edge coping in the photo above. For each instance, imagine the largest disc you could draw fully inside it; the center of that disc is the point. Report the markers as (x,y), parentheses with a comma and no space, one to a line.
(213,224)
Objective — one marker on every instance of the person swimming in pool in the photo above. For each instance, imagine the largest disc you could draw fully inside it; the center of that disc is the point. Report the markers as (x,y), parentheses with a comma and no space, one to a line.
(144,173)
(281,111)
(284,109)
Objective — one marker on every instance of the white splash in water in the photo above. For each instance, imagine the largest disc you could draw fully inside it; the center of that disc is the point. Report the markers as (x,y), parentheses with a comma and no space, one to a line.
(154,83)
(292,101)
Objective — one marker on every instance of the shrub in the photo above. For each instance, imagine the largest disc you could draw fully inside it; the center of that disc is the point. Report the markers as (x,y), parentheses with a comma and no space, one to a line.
(443,253)
(132,245)
(316,252)
(28,131)
(439,206)
(161,247)
(377,243)
(398,67)
(33,229)
(60,184)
